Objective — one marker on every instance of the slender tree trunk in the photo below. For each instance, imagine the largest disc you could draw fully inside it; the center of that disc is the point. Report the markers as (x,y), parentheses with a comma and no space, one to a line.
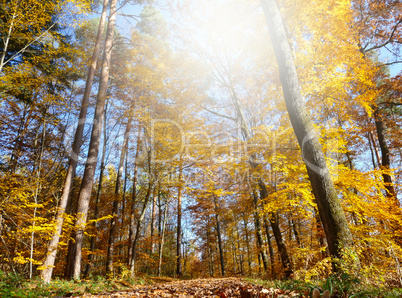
(210,252)
(7,40)
(247,243)
(371,138)
(122,234)
(138,232)
(239,256)
(159,210)
(48,264)
(90,166)
(212,261)
(295,232)
(179,270)
(163,236)
(184,256)
(153,216)
(258,232)
(371,151)
(270,248)
(133,202)
(98,193)
(218,231)
(332,216)
(385,159)
(274,220)
(141,218)
(37,190)
(112,231)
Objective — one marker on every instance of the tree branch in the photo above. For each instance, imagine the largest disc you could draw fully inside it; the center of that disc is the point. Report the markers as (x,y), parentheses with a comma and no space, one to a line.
(389,39)
(217,114)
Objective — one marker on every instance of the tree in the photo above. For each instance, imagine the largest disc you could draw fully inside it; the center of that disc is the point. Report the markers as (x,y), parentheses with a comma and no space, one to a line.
(109,262)
(332,216)
(87,180)
(48,264)
(29,25)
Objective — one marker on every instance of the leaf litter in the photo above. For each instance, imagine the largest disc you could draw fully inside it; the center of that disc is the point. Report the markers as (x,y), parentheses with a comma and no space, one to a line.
(202,287)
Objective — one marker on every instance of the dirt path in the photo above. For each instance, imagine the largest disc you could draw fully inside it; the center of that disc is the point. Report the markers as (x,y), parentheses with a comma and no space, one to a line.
(216,287)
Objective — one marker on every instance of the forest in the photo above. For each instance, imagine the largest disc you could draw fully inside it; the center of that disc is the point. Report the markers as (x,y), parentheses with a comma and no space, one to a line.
(183,139)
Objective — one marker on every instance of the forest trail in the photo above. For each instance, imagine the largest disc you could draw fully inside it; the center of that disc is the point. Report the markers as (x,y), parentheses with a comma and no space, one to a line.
(205,287)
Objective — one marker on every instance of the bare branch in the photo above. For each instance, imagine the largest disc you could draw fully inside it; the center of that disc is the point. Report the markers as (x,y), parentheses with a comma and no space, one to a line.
(220,115)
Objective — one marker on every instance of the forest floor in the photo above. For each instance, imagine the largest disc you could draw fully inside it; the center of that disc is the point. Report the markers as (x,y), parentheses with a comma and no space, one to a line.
(208,287)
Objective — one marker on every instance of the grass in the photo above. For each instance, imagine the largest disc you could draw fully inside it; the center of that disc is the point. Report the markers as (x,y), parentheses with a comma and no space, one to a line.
(339,286)
(12,285)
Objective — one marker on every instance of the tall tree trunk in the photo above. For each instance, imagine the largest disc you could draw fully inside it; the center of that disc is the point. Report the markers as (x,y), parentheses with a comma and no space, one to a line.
(179,270)
(153,216)
(210,251)
(332,216)
(218,231)
(124,201)
(48,264)
(274,220)
(142,216)
(371,151)
(90,166)
(133,201)
(212,261)
(239,256)
(270,248)
(139,223)
(258,232)
(37,190)
(98,193)
(163,236)
(385,159)
(112,231)
(247,243)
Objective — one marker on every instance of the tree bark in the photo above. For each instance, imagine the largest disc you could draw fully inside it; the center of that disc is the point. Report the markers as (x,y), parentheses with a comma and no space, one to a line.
(141,218)
(385,159)
(270,248)
(163,236)
(133,201)
(179,269)
(295,232)
(90,166)
(48,264)
(98,193)
(332,216)
(274,220)
(6,41)
(258,232)
(218,231)
(37,190)
(112,231)
(139,223)
(247,243)
(153,216)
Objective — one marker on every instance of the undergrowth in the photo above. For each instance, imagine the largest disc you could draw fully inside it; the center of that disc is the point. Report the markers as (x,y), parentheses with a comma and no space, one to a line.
(343,286)
(12,285)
